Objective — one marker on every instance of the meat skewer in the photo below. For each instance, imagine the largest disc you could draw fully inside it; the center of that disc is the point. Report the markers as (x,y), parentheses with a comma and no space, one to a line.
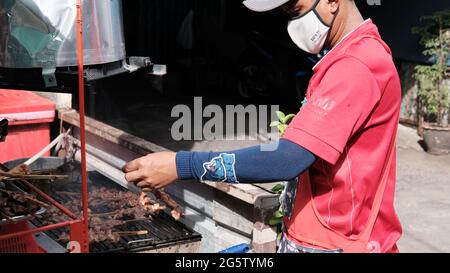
(131,233)
(23,168)
(176,212)
(14,204)
(120,206)
(7,217)
(44,171)
(20,169)
(136,220)
(112,210)
(29,198)
(17,176)
(23,198)
(106,214)
(150,205)
(68,193)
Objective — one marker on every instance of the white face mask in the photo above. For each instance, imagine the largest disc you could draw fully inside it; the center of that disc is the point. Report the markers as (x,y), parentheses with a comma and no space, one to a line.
(308,31)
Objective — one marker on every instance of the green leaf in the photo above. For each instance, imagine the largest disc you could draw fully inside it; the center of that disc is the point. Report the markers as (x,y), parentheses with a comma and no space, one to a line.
(278,214)
(280,236)
(282,128)
(274,123)
(277,218)
(287,118)
(274,221)
(432,93)
(280,115)
(278,188)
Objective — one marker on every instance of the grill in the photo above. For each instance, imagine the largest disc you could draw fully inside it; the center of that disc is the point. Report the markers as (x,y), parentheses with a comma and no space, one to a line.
(163,230)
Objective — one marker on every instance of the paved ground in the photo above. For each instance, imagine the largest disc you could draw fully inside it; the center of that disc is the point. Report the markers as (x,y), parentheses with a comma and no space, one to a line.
(423,196)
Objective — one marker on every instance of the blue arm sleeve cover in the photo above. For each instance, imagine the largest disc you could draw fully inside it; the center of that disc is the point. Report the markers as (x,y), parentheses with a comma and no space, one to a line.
(246,165)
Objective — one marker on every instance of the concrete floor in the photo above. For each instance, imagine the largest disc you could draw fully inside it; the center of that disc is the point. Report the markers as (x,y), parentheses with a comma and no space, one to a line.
(423,196)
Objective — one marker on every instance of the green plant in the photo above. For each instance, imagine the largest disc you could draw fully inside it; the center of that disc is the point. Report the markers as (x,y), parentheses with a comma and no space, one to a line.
(277,216)
(433,92)
(282,123)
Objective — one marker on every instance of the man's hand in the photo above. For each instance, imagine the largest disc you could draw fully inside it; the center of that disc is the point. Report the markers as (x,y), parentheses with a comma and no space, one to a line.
(154,171)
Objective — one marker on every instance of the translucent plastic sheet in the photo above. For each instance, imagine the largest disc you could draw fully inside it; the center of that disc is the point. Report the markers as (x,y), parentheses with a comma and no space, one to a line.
(42,33)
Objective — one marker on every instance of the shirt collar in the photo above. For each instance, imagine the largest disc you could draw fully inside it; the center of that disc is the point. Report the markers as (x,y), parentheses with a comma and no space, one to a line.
(348,36)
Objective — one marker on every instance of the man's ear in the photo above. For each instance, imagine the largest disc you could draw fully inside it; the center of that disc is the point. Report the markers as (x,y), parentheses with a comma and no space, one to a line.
(333,5)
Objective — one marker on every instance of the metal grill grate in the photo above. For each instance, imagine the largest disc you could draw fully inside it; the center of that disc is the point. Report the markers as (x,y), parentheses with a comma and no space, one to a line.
(163,230)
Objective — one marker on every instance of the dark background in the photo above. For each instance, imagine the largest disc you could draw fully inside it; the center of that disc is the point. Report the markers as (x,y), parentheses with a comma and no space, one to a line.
(223,45)
(396,18)
(152,25)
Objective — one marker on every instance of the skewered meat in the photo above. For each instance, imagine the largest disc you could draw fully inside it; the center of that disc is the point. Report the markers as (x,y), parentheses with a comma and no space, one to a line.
(111,209)
(150,205)
(95,235)
(20,169)
(176,212)
(14,204)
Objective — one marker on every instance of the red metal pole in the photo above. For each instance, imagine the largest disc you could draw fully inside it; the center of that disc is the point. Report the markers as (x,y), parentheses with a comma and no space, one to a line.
(43,195)
(36,230)
(51,200)
(85,243)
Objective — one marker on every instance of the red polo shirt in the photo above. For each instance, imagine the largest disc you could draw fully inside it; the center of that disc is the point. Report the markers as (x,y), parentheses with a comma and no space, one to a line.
(352,111)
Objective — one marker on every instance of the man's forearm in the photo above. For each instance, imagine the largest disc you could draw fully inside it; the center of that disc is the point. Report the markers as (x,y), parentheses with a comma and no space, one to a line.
(249,165)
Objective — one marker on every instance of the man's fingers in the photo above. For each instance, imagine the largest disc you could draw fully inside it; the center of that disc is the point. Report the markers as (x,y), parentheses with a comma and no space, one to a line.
(133,176)
(147,189)
(144,184)
(131,166)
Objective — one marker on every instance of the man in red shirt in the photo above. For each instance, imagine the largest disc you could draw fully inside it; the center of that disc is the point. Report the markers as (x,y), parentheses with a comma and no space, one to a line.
(341,144)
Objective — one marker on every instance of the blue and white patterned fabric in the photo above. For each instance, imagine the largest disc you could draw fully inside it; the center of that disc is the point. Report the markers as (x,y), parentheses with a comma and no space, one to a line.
(220,168)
